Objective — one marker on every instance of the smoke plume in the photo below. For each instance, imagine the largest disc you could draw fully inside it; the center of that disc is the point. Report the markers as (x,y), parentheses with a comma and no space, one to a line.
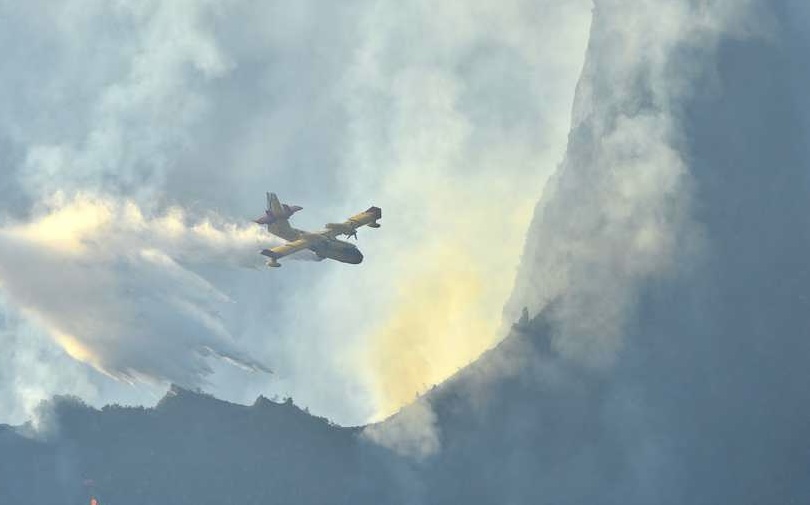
(116,289)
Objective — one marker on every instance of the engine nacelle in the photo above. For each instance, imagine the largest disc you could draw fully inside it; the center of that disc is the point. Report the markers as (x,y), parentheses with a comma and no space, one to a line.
(374,225)
(273,263)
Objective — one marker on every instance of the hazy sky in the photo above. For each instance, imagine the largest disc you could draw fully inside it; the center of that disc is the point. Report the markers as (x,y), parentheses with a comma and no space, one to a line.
(137,140)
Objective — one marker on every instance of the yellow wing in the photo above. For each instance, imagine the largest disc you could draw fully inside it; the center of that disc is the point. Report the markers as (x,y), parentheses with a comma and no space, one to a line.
(274,253)
(350,226)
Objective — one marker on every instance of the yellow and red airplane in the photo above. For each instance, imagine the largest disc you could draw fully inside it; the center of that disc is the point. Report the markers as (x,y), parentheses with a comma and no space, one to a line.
(324,243)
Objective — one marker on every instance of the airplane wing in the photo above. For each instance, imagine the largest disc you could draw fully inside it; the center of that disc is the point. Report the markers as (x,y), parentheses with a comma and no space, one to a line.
(274,253)
(367,218)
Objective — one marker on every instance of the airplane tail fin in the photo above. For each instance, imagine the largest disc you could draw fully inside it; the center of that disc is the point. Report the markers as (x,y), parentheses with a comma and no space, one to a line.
(274,205)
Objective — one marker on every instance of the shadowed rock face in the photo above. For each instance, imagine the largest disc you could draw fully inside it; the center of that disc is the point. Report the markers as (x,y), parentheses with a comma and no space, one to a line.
(702,401)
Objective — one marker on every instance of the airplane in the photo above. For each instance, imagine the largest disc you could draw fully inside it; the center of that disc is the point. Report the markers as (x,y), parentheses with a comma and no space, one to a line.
(271,215)
(324,243)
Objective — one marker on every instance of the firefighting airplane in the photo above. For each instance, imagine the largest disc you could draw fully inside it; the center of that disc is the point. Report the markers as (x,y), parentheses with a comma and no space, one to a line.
(323,243)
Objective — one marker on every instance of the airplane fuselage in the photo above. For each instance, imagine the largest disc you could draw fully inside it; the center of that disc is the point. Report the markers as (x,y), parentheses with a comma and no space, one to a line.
(338,250)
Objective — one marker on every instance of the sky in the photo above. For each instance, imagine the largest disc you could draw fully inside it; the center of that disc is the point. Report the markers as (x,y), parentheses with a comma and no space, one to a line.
(137,140)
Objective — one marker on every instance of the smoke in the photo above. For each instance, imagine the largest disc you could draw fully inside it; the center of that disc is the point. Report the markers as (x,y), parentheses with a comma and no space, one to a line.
(26,377)
(411,432)
(619,212)
(208,104)
(442,322)
(456,157)
(116,288)
(146,93)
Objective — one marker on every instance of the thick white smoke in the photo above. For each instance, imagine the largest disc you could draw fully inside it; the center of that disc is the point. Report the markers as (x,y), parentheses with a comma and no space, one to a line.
(116,288)
(149,60)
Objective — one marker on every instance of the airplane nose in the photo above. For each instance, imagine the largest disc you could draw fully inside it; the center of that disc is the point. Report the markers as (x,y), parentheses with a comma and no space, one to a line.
(356,257)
